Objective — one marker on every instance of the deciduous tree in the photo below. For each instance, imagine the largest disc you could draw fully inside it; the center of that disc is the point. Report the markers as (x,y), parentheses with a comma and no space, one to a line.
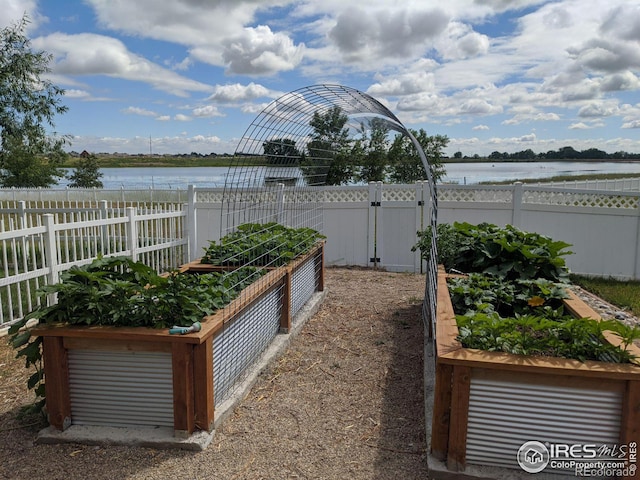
(86,173)
(29,156)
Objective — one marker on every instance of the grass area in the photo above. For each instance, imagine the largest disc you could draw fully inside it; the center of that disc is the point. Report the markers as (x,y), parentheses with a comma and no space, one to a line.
(623,294)
(568,178)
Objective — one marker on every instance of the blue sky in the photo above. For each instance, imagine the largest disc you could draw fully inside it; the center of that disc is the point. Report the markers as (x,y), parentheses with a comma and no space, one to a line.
(492,75)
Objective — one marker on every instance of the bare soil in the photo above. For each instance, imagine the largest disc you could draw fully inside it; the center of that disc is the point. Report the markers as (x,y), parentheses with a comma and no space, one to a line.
(344,401)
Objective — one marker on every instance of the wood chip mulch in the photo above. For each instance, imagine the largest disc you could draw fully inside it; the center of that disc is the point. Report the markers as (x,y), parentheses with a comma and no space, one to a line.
(345,401)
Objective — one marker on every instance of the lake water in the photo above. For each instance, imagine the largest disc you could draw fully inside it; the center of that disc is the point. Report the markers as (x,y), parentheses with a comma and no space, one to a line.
(461,173)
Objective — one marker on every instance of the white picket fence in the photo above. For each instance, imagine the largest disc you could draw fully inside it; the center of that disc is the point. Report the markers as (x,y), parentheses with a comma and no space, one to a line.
(37,244)
(370,225)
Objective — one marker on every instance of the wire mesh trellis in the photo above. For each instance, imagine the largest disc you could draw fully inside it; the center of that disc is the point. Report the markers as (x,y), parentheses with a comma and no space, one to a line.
(273,197)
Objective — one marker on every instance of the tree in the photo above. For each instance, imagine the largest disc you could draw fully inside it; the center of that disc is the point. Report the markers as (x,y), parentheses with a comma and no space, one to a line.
(375,152)
(28,156)
(328,151)
(281,151)
(87,173)
(406,164)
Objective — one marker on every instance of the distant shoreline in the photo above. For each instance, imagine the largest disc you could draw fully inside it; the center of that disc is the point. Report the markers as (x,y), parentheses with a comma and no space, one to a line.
(137,161)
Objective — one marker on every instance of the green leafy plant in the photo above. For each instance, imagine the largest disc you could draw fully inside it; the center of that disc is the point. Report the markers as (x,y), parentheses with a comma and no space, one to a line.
(506,252)
(117,291)
(567,337)
(268,244)
(487,293)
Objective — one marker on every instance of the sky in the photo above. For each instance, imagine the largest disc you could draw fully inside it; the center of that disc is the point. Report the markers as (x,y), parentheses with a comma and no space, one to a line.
(492,75)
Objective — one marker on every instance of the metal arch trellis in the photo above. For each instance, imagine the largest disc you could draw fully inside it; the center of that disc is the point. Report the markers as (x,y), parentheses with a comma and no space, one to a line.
(289,190)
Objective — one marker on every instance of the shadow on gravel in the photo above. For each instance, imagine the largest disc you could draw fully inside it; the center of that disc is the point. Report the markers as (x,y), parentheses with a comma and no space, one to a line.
(402,445)
(22,459)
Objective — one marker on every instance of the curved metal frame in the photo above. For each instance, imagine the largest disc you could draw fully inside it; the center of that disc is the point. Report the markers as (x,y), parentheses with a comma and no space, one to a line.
(280,193)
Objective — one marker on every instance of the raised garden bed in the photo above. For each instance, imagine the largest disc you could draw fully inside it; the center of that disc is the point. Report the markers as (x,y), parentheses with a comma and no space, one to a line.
(488,404)
(520,358)
(122,376)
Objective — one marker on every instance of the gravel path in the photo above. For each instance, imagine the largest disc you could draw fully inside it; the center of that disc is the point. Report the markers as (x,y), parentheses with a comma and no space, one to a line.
(344,401)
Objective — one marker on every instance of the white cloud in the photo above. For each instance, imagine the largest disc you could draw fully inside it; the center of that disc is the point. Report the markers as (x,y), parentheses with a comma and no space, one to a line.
(259,51)
(460,41)
(139,111)
(623,22)
(365,34)
(620,81)
(91,54)
(180,117)
(579,126)
(163,118)
(480,127)
(596,110)
(13,11)
(632,124)
(404,84)
(234,93)
(75,93)
(207,111)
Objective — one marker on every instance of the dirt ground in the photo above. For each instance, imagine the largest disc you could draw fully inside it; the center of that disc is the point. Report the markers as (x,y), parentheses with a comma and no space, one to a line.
(344,401)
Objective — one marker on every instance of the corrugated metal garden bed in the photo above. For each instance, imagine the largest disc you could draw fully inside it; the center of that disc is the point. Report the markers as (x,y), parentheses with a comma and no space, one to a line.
(132,377)
(488,404)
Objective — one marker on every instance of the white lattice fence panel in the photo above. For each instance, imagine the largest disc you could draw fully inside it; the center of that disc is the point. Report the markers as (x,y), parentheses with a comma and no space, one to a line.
(209,196)
(475,195)
(406,194)
(346,195)
(580,199)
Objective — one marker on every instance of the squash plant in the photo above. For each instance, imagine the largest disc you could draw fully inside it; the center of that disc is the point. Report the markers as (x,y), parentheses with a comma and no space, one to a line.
(511,298)
(117,291)
(527,317)
(506,252)
(261,244)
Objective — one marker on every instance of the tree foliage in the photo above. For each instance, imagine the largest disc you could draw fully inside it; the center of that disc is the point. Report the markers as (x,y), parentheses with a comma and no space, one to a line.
(87,173)
(329,149)
(29,157)
(405,163)
(281,151)
(374,156)
(370,157)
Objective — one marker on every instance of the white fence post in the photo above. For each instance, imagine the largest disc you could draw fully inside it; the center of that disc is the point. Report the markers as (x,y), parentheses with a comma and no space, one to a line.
(420,204)
(22,214)
(516,219)
(51,253)
(280,204)
(192,225)
(104,231)
(132,237)
(374,238)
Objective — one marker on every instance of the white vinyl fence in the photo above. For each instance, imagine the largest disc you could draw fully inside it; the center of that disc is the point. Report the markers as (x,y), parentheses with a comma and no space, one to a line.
(376,224)
(36,246)
(373,225)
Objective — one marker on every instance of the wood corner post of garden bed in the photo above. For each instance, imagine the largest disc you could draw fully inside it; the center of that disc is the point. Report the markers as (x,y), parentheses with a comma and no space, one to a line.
(630,422)
(460,389)
(285,314)
(321,266)
(56,374)
(441,411)
(182,360)
(203,375)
